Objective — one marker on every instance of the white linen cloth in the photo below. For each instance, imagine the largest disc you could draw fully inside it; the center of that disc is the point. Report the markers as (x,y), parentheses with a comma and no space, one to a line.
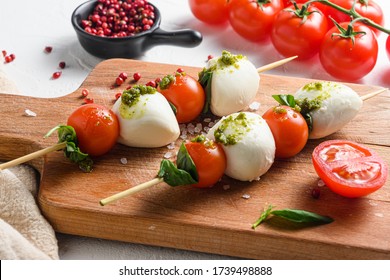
(24,232)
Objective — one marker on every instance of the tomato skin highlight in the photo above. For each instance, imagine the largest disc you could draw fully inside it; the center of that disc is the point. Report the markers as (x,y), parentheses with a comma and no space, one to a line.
(252,21)
(210,162)
(348,168)
(292,35)
(187,95)
(210,11)
(347,60)
(97,128)
(289,129)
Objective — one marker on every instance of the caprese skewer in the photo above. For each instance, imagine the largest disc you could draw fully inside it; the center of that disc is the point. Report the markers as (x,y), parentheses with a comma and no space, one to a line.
(231,82)
(146,119)
(200,163)
(91,130)
(248,144)
(326,106)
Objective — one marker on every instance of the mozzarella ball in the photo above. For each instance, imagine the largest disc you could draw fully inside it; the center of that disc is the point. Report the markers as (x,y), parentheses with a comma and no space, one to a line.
(248,144)
(233,87)
(148,123)
(337,105)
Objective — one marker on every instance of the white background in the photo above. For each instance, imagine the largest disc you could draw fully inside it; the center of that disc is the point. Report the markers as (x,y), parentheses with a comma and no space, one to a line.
(28,26)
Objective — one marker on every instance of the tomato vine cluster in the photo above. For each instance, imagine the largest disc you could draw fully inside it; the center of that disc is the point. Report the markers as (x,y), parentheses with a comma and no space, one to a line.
(342,32)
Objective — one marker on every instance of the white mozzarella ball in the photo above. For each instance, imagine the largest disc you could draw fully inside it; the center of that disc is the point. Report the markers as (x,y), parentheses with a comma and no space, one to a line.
(248,144)
(233,87)
(339,104)
(149,123)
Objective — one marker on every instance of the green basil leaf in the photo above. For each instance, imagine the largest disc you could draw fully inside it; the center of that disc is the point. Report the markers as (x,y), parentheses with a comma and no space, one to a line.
(174,176)
(302,216)
(285,99)
(86,165)
(309,120)
(263,217)
(74,153)
(185,162)
(205,80)
(66,133)
(173,107)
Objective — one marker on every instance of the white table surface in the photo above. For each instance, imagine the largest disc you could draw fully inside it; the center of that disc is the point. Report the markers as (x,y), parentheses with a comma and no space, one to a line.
(28,26)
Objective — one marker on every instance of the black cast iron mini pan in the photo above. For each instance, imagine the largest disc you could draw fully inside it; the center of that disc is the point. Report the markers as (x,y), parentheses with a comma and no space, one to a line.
(131,46)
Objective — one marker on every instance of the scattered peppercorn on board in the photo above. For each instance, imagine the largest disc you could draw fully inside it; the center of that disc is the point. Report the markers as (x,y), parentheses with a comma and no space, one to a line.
(216,220)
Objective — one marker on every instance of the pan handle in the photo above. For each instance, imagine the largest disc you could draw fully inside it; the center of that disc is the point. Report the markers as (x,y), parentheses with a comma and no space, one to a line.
(183,38)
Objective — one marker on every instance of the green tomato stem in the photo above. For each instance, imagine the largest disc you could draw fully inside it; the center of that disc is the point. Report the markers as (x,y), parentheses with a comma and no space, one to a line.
(352,13)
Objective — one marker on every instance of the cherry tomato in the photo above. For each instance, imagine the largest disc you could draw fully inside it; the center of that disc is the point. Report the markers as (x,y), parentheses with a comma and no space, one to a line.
(346,59)
(210,161)
(253,19)
(210,11)
(348,168)
(186,94)
(365,8)
(299,35)
(289,129)
(388,46)
(97,128)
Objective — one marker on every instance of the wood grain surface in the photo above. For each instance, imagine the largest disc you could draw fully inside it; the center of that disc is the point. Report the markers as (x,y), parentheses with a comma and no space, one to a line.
(216,220)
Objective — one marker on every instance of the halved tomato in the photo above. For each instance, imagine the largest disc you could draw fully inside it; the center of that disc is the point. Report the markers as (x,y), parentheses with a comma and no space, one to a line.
(348,168)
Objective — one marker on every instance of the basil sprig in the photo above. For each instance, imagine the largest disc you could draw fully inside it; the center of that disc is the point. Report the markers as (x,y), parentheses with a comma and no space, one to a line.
(205,78)
(285,99)
(289,100)
(294,215)
(183,173)
(67,134)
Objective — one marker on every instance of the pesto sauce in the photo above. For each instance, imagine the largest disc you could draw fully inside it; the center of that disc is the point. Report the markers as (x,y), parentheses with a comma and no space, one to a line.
(313,86)
(166,81)
(310,104)
(238,127)
(210,144)
(131,97)
(225,60)
(228,59)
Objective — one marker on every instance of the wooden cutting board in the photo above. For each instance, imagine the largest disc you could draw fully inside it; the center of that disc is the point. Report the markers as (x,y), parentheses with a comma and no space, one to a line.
(216,220)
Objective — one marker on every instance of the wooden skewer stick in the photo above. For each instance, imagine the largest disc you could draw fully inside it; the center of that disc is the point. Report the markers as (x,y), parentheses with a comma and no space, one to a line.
(131,191)
(372,94)
(275,64)
(33,155)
